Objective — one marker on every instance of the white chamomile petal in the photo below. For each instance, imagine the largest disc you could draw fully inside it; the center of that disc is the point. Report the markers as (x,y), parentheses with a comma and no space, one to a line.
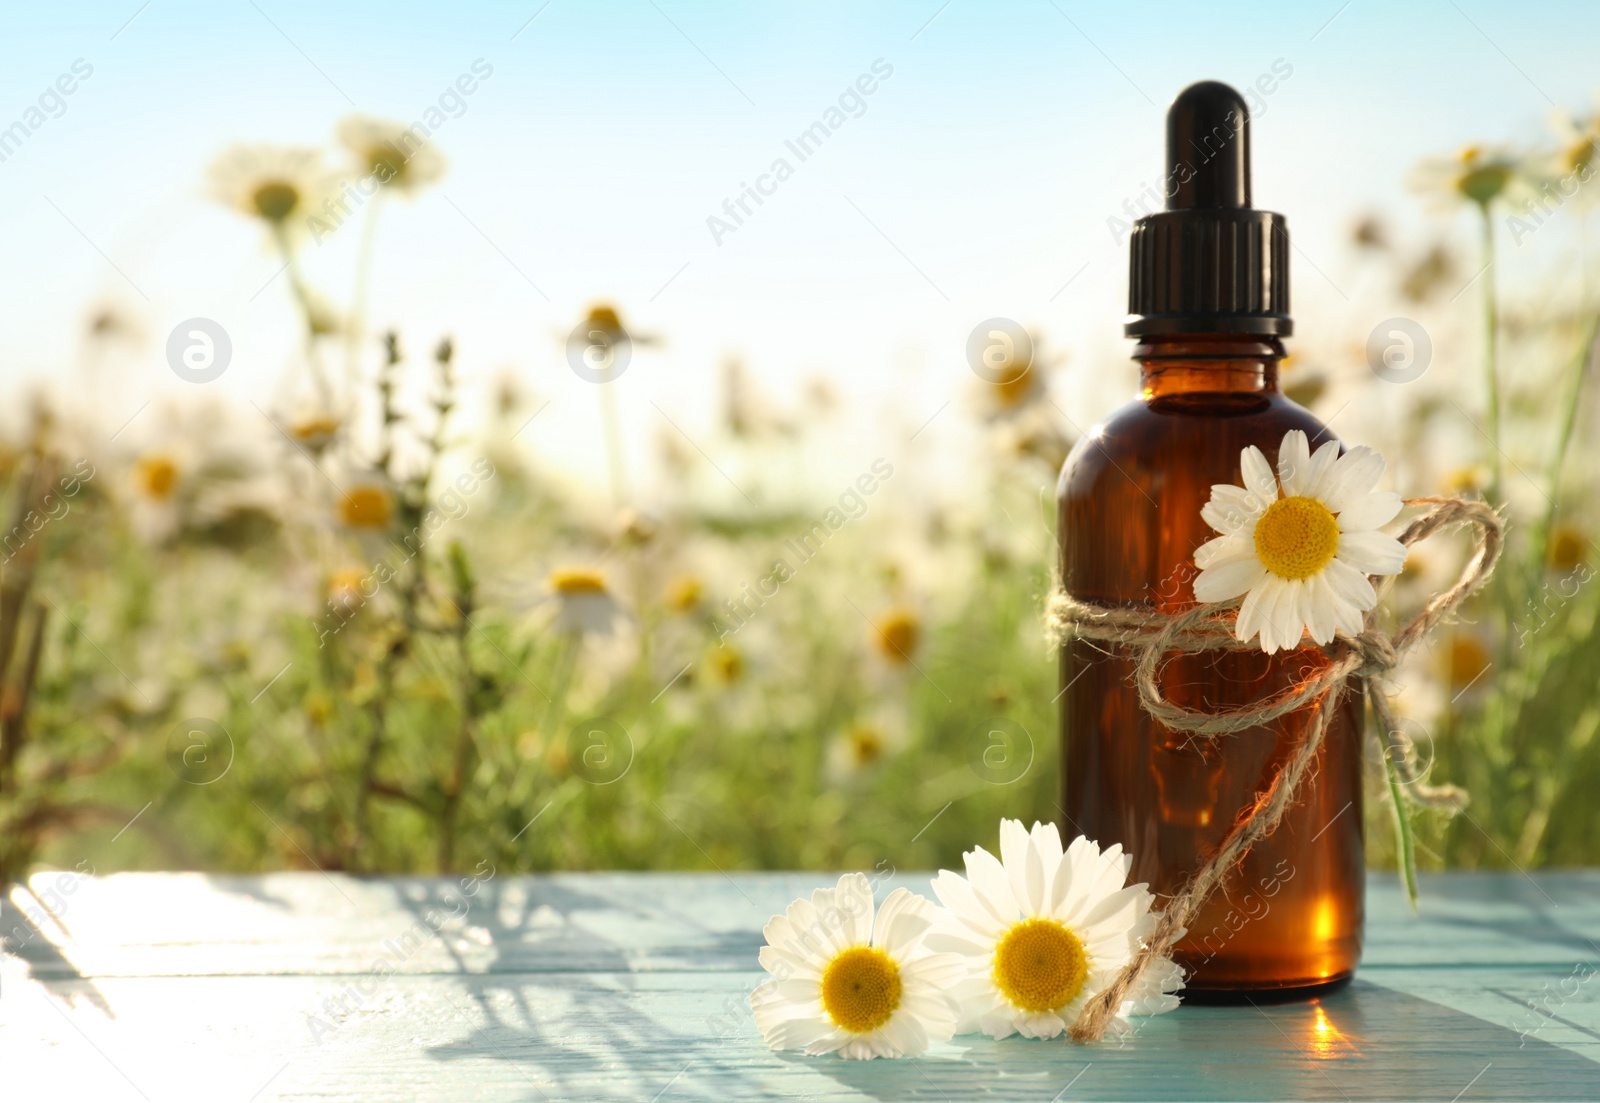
(1074,924)
(956,894)
(1258,477)
(845,980)
(1229,580)
(777,960)
(1278,628)
(1372,552)
(1322,461)
(988,879)
(1293,614)
(1347,618)
(1231,509)
(1350,585)
(1323,617)
(1155,991)
(1354,474)
(1079,871)
(1294,463)
(798,1034)
(1047,838)
(901,924)
(1224,550)
(1303,594)
(1371,512)
(1023,865)
(1248,622)
(853,898)
(807,930)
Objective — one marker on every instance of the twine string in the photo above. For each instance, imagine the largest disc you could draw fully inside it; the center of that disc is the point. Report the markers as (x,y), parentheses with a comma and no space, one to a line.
(1367,657)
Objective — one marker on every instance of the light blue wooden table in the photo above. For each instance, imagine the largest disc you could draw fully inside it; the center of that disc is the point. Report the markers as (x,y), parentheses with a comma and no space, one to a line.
(633,986)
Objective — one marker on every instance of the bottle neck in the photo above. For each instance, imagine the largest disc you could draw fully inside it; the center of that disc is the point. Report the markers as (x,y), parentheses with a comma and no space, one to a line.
(1207,363)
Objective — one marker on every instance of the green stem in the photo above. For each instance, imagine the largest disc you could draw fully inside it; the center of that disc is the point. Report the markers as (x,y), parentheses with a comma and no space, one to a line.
(1501,584)
(1537,660)
(1587,351)
(466,755)
(1404,843)
(1491,361)
(302,295)
(355,328)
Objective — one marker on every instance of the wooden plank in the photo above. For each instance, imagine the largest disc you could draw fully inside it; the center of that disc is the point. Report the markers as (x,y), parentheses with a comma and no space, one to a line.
(628,1036)
(624,986)
(167,924)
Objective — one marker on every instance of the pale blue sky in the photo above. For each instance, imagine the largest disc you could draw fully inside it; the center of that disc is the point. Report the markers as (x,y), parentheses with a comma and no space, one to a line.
(978,181)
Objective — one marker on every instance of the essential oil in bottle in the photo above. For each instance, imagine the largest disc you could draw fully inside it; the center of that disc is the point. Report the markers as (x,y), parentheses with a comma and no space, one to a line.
(1208,304)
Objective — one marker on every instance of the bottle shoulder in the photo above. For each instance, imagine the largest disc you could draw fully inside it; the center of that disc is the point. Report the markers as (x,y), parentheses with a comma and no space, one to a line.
(1143,441)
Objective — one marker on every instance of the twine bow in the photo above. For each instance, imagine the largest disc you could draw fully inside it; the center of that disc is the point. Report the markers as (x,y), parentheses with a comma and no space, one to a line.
(1366,657)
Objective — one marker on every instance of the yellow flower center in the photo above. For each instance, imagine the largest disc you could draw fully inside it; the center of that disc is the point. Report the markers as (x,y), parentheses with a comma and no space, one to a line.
(1580,154)
(1014,385)
(577,580)
(1568,548)
(1468,659)
(1040,965)
(344,586)
(315,428)
(898,631)
(157,477)
(275,200)
(866,745)
(604,317)
(386,164)
(727,663)
(366,507)
(684,593)
(860,989)
(1296,537)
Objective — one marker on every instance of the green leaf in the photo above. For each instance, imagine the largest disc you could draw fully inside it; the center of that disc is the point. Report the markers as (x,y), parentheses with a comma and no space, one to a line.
(1405,845)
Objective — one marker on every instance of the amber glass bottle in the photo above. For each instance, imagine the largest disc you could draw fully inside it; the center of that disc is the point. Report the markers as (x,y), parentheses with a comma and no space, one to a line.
(1209,299)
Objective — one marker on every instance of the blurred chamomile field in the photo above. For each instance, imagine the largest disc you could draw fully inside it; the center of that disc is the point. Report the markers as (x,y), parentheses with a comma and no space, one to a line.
(433,445)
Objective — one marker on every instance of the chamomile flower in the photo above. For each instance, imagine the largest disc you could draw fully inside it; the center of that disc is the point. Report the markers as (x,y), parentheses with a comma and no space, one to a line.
(1015,388)
(1572,164)
(1302,557)
(315,432)
(1044,930)
(346,588)
(896,633)
(394,155)
(584,603)
(1466,660)
(863,746)
(158,480)
(367,505)
(1477,174)
(725,662)
(684,593)
(849,982)
(1568,549)
(281,186)
(155,475)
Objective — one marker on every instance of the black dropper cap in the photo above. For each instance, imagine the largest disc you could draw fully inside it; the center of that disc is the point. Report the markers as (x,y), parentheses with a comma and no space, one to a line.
(1209,263)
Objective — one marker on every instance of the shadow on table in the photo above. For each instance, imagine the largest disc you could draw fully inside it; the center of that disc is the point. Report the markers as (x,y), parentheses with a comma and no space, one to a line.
(582,998)
(1366,1042)
(552,980)
(1543,919)
(24,914)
